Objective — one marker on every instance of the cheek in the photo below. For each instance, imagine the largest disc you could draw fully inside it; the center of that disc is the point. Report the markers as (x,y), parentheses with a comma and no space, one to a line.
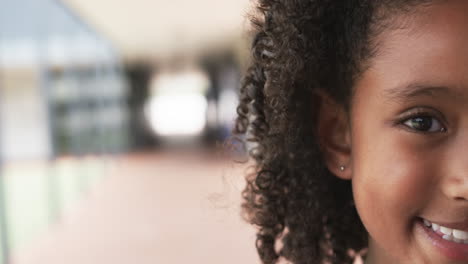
(391,183)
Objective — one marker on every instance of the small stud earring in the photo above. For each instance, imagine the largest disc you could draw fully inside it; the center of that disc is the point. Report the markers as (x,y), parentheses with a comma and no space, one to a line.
(342,168)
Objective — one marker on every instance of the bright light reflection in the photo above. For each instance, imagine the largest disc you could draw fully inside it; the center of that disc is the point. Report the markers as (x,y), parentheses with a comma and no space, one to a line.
(177,114)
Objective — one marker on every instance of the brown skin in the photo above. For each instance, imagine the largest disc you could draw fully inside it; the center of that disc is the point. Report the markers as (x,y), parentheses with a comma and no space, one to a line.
(400,174)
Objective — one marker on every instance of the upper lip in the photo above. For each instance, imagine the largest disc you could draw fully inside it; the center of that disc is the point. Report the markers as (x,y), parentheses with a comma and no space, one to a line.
(462,225)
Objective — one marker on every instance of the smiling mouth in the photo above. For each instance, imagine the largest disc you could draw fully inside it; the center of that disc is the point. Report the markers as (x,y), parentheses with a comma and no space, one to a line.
(446,233)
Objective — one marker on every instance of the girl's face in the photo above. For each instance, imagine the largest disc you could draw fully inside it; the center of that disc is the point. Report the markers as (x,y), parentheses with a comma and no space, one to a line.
(409,137)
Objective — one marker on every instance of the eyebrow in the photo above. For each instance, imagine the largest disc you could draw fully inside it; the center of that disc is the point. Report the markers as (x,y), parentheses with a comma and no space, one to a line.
(417,90)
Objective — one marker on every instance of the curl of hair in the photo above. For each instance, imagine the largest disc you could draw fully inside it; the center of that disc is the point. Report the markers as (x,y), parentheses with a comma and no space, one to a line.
(301,47)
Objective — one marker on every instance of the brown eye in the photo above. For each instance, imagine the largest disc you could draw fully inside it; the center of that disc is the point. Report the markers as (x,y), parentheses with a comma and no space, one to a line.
(424,124)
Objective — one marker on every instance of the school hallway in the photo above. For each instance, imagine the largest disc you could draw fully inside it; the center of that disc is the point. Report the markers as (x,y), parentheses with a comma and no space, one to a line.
(166,207)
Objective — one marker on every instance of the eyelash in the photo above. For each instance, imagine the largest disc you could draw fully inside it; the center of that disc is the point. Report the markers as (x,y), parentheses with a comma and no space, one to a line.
(422,113)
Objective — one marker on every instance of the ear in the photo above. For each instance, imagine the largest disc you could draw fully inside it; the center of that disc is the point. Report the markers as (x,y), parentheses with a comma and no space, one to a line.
(334,133)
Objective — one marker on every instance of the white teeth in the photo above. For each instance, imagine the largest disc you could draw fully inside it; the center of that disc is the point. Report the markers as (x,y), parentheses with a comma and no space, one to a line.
(449,234)
(460,234)
(427,223)
(445,230)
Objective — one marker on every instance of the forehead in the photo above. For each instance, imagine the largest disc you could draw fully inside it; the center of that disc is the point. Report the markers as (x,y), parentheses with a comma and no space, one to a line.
(429,46)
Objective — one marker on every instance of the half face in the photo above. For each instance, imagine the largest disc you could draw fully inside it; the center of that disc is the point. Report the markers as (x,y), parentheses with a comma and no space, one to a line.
(409,134)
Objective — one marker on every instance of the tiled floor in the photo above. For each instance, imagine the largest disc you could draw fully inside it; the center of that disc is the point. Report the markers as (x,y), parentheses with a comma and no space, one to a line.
(178,207)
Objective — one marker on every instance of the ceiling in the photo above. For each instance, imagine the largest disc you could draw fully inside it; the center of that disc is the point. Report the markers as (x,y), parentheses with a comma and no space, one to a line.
(165,28)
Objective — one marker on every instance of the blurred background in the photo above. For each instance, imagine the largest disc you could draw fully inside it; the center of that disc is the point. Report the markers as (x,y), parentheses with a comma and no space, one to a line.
(115,128)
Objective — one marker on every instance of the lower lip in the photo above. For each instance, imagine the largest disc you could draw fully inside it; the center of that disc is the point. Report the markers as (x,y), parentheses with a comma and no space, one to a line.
(450,249)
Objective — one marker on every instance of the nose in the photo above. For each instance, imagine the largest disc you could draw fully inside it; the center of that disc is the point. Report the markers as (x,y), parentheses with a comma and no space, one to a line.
(456,188)
(455,174)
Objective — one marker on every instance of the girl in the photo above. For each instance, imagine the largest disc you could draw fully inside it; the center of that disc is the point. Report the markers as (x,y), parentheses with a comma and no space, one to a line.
(359,114)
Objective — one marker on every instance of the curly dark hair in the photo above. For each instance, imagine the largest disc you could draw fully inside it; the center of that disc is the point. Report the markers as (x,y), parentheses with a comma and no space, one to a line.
(304,214)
